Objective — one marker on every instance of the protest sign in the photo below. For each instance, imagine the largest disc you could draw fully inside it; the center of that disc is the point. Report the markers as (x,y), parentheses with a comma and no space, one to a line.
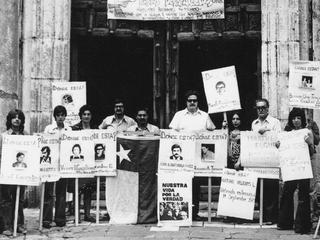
(177,151)
(104,152)
(71,95)
(267,173)
(294,156)
(221,88)
(304,84)
(49,157)
(20,160)
(165,9)
(174,199)
(237,194)
(77,155)
(211,153)
(259,150)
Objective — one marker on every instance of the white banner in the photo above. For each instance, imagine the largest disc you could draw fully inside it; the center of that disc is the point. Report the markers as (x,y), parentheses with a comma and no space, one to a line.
(304,84)
(258,150)
(177,151)
(165,9)
(267,173)
(174,199)
(20,160)
(294,155)
(77,155)
(71,95)
(221,88)
(237,194)
(211,153)
(49,157)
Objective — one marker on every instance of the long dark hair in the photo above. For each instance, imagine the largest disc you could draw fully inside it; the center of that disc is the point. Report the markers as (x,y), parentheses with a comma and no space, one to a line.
(11,115)
(230,116)
(296,112)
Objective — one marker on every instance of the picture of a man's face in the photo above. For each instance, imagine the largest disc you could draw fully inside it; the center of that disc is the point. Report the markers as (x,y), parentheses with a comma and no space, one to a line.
(176,152)
(220,87)
(99,150)
(20,158)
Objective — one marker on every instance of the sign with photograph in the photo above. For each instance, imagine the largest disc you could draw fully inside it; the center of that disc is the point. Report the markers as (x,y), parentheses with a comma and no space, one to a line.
(49,157)
(77,155)
(304,84)
(165,9)
(18,164)
(237,194)
(71,95)
(259,150)
(177,151)
(294,155)
(211,153)
(174,199)
(221,88)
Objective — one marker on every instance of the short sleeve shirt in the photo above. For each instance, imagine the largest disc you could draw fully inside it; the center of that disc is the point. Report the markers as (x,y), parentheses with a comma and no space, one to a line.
(150,128)
(269,123)
(111,123)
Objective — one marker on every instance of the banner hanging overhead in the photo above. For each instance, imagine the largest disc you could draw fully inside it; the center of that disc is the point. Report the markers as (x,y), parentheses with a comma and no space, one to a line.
(165,9)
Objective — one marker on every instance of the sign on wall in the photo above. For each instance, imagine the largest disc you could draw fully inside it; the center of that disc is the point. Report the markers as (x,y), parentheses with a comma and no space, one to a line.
(165,9)
(221,88)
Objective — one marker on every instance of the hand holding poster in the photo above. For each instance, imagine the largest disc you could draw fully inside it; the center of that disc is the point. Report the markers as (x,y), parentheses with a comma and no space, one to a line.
(20,160)
(49,158)
(294,155)
(177,151)
(71,95)
(237,194)
(77,155)
(221,88)
(211,153)
(259,150)
(174,199)
(304,84)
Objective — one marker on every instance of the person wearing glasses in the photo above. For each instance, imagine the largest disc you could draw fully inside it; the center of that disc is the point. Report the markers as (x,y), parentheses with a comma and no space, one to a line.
(193,119)
(263,124)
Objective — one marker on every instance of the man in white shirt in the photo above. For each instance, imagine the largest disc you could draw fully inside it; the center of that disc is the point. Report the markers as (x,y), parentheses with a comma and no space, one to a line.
(117,122)
(263,124)
(193,119)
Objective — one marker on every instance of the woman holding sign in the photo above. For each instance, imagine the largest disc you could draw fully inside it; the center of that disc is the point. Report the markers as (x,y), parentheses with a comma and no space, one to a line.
(15,126)
(302,222)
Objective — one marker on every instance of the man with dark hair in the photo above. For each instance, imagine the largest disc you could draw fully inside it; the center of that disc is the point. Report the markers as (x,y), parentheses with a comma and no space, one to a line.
(176,152)
(220,87)
(99,154)
(19,161)
(119,121)
(45,155)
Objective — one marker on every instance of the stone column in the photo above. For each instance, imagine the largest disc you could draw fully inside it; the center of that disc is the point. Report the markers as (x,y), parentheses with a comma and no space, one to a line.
(316,45)
(45,57)
(9,58)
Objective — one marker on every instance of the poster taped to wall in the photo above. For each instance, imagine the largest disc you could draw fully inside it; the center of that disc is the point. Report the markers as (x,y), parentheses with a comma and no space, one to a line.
(20,160)
(294,155)
(211,153)
(71,95)
(304,84)
(221,88)
(177,151)
(49,157)
(165,9)
(237,194)
(174,199)
(77,155)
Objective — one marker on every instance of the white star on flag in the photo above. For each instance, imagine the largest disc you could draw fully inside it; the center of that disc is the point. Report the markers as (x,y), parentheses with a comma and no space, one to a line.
(123,154)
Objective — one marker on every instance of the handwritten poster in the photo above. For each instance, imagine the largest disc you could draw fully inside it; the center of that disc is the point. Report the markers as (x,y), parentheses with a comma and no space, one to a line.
(294,155)
(211,153)
(237,194)
(221,88)
(174,199)
(71,95)
(165,9)
(19,164)
(267,173)
(304,84)
(259,150)
(49,157)
(177,151)
(77,155)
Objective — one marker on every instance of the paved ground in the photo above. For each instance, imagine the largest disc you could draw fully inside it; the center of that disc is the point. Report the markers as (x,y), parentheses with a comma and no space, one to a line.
(200,231)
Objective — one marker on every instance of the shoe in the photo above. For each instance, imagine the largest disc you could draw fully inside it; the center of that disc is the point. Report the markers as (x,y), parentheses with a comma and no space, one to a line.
(60,224)
(269,223)
(284,228)
(7,233)
(46,225)
(89,219)
(21,229)
(196,218)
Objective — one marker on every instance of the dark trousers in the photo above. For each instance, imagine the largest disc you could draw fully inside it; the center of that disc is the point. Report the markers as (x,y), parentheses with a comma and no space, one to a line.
(302,223)
(60,206)
(7,206)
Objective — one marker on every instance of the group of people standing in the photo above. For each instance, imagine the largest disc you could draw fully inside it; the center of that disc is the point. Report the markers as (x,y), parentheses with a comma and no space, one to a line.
(189,119)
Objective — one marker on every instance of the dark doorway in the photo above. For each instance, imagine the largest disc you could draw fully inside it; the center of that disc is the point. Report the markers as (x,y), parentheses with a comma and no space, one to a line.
(115,68)
(196,57)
